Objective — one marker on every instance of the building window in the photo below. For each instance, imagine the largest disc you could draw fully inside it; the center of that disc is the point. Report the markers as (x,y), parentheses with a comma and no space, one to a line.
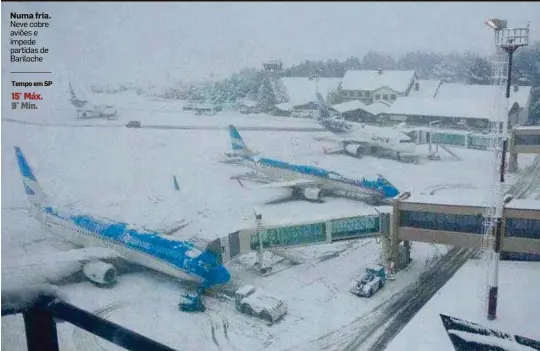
(393,97)
(442,221)
(527,139)
(358,93)
(377,96)
(385,97)
(523,228)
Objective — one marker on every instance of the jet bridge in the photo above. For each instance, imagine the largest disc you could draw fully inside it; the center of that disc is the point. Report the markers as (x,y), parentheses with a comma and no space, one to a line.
(287,235)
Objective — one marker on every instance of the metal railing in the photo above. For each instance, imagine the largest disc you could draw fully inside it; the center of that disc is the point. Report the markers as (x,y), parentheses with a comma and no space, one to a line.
(43,306)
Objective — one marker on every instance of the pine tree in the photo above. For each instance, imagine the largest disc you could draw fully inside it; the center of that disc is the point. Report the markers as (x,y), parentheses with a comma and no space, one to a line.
(266,98)
(479,71)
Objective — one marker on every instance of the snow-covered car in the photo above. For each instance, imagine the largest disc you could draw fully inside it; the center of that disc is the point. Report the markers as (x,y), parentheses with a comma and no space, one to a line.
(133,124)
(372,281)
(255,303)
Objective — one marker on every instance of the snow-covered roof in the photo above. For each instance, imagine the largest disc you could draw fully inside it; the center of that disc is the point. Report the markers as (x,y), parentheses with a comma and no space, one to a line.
(286,106)
(427,88)
(442,107)
(372,80)
(485,92)
(301,91)
(245,289)
(445,200)
(527,127)
(524,204)
(375,108)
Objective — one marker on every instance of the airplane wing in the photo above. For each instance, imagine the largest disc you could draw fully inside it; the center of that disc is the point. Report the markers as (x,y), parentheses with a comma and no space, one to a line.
(286,184)
(75,255)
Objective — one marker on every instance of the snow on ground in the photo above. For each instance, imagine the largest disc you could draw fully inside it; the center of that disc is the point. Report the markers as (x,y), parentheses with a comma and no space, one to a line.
(126,174)
(131,106)
(464,297)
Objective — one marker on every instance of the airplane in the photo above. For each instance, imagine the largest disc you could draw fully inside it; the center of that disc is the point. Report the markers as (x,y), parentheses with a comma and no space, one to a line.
(309,182)
(97,240)
(92,111)
(360,139)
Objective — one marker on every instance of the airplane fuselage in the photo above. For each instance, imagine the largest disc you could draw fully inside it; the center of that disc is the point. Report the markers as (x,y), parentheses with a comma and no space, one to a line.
(384,138)
(174,258)
(325,180)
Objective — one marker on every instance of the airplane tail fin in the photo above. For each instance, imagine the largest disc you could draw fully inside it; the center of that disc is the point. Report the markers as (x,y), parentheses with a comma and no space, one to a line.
(33,190)
(72,92)
(322,107)
(237,143)
(78,103)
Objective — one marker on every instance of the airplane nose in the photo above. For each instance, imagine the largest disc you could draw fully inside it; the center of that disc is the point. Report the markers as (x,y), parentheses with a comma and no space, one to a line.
(221,275)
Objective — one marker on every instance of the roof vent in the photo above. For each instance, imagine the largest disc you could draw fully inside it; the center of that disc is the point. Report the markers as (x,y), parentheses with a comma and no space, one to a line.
(380,70)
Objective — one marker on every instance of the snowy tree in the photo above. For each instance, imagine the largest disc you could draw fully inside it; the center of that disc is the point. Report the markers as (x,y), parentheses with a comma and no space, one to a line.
(266,98)
(422,63)
(351,63)
(335,97)
(479,71)
(373,61)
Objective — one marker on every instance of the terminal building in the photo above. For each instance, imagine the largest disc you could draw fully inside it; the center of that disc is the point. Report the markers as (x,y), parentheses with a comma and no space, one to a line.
(460,222)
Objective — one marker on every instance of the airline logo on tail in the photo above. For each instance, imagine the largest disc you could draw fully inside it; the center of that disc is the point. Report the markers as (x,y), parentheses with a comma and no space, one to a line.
(31,186)
(237,143)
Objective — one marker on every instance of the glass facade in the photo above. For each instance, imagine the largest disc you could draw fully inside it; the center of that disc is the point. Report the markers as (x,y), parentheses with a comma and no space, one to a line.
(440,221)
(527,140)
(354,227)
(523,228)
(479,142)
(449,139)
(289,236)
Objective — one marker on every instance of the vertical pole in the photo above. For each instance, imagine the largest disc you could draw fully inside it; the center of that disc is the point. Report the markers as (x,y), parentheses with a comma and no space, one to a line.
(40,329)
(494,281)
(430,136)
(260,252)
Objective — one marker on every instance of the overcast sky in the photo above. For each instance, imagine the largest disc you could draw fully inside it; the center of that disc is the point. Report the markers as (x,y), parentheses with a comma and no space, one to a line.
(95,42)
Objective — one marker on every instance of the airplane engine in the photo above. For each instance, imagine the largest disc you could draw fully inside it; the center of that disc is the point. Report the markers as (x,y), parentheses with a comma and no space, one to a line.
(354,149)
(312,194)
(99,273)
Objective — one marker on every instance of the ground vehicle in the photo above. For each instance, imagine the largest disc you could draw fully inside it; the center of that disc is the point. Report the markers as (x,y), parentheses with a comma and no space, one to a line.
(372,281)
(133,124)
(254,303)
(191,303)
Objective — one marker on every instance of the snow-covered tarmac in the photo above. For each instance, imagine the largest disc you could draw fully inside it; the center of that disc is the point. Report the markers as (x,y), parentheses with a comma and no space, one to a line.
(126,174)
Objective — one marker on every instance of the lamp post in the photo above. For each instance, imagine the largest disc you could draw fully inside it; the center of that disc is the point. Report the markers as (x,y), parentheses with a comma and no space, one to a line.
(509,40)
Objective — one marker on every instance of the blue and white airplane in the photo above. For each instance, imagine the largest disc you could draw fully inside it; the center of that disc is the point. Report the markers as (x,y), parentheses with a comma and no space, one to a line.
(99,239)
(309,182)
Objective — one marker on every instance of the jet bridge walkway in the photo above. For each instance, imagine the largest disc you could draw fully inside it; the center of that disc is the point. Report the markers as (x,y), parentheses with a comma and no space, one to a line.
(302,234)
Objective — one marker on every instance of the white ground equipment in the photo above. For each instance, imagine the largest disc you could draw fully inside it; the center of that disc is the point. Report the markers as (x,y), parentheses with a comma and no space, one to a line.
(372,281)
(255,303)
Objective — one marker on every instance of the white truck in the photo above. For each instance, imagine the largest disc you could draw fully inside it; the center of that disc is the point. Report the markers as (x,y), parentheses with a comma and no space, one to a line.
(372,281)
(255,303)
